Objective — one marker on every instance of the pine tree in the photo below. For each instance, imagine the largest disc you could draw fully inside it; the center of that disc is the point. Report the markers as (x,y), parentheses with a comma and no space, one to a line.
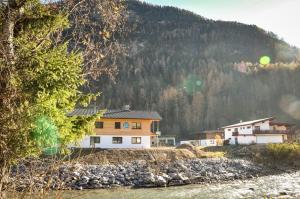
(40,79)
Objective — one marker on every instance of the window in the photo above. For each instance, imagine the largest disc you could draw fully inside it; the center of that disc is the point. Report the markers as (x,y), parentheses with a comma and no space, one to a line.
(248,127)
(257,127)
(99,125)
(117,125)
(94,140)
(125,125)
(170,142)
(136,125)
(136,140)
(236,129)
(117,140)
(212,141)
(229,129)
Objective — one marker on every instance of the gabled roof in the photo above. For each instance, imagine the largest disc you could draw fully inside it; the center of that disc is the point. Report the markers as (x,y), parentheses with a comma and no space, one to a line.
(116,114)
(133,115)
(249,122)
(84,112)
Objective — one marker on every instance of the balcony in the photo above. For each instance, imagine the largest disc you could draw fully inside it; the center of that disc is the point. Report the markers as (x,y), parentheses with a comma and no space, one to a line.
(259,132)
(236,133)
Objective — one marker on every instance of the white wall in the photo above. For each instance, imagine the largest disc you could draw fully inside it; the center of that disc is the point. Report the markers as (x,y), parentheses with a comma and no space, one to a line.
(208,142)
(246,139)
(192,142)
(263,125)
(106,142)
(227,133)
(247,129)
(264,139)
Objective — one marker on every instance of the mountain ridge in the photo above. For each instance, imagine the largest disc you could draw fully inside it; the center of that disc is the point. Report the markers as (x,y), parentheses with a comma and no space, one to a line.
(195,72)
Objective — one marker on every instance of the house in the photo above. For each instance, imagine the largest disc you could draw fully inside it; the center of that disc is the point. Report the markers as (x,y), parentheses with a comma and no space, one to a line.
(212,138)
(123,128)
(206,138)
(166,141)
(259,131)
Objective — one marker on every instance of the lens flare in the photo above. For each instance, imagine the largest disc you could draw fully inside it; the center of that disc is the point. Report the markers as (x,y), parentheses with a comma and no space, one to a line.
(265,60)
(45,135)
(192,84)
(290,104)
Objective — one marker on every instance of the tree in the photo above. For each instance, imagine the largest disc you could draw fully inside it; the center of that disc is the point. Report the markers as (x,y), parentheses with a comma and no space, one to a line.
(40,78)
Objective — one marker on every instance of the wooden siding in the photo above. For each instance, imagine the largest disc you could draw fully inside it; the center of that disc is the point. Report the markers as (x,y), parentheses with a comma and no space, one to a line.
(109,127)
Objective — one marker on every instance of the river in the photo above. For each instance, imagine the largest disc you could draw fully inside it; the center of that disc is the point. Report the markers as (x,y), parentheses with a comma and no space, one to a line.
(283,186)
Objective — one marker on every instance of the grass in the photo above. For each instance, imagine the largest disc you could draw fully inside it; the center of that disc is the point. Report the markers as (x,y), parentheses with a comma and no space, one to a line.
(217,154)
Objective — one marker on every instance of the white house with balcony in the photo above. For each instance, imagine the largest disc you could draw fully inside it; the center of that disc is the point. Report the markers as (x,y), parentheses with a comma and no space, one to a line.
(261,131)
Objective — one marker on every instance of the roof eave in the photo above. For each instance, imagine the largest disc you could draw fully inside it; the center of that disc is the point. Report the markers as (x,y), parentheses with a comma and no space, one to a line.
(131,118)
(239,124)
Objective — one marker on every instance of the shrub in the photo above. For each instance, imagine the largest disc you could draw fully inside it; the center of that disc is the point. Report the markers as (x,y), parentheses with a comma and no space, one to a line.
(283,152)
(226,142)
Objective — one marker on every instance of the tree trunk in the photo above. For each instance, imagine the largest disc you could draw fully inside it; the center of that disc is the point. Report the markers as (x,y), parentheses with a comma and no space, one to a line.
(7,52)
(7,94)
(7,32)
(3,177)
(8,36)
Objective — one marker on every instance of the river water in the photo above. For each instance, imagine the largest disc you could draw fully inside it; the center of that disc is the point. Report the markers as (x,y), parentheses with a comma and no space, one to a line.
(277,186)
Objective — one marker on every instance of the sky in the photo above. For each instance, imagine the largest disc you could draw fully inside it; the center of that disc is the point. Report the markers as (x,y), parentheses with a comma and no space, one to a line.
(279,16)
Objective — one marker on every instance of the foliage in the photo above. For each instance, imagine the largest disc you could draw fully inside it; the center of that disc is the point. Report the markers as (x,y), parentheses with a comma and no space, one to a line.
(226,142)
(283,152)
(219,140)
(98,41)
(47,75)
(40,77)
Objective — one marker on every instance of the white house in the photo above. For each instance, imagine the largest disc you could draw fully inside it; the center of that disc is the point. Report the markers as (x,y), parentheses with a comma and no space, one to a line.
(122,128)
(207,138)
(259,131)
(211,138)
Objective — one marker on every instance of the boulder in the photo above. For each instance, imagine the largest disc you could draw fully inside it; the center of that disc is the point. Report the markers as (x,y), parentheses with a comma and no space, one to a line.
(160,181)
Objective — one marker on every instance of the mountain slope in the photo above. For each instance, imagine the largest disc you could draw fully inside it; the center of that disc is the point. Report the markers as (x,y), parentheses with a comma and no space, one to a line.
(183,66)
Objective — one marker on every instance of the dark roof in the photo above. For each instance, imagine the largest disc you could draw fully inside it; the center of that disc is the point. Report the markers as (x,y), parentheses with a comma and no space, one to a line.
(281,123)
(116,114)
(83,112)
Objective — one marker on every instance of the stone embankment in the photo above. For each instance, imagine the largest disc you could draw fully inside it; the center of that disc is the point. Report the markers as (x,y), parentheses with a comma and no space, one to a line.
(133,174)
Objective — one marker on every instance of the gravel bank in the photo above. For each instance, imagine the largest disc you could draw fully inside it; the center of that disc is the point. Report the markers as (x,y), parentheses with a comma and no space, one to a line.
(135,174)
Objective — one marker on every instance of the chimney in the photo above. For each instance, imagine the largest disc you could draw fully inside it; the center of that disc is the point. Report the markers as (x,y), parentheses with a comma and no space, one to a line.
(241,121)
(126,108)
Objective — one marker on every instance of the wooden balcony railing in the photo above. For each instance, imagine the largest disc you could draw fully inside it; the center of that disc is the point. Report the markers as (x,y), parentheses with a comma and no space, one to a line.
(272,132)
(257,132)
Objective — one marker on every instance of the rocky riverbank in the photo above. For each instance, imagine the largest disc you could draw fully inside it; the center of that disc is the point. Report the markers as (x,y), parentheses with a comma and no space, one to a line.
(132,174)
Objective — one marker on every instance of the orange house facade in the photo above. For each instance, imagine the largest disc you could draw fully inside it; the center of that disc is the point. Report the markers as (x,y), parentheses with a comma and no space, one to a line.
(122,128)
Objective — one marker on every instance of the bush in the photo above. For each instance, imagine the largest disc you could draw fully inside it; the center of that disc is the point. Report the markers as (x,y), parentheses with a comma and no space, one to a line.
(226,142)
(284,152)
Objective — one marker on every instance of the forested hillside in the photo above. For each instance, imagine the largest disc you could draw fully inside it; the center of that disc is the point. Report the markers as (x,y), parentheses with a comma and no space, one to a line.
(201,74)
